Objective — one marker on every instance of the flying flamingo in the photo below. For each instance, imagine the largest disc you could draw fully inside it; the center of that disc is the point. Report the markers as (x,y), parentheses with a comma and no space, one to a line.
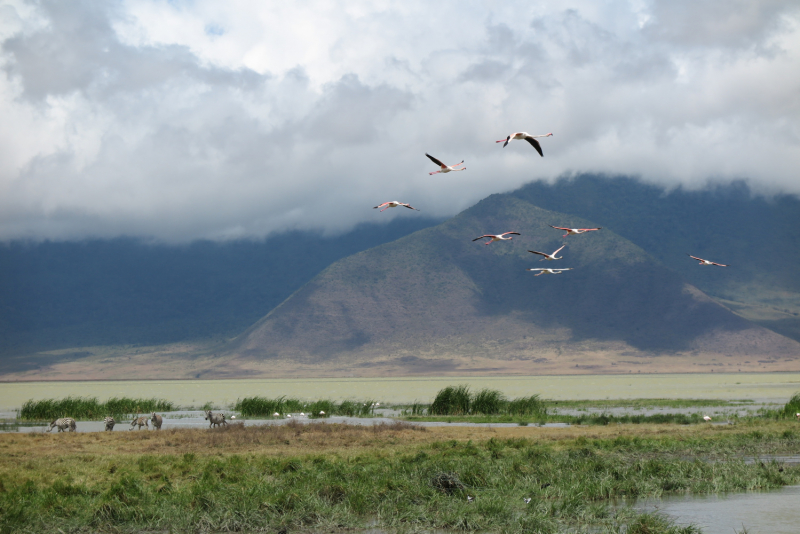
(548,256)
(498,237)
(549,271)
(393,204)
(575,231)
(528,137)
(706,262)
(445,168)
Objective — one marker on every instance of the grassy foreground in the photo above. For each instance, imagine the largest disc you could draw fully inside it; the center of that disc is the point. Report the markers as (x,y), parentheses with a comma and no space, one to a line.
(335,477)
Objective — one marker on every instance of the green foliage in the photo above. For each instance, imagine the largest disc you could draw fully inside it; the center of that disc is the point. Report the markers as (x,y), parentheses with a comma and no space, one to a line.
(452,400)
(792,407)
(90,408)
(266,407)
(573,487)
(458,401)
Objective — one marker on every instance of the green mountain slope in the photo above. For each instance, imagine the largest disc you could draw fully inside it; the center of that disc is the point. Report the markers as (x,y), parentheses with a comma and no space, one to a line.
(435,294)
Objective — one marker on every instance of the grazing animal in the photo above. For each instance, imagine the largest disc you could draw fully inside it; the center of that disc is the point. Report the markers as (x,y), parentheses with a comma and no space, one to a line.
(109,422)
(575,231)
(393,204)
(445,168)
(141,421)
(498,237)
(63,424)
(215,419)
(528,137)
(548,257)
(157,420)
(543,270)
(707,262)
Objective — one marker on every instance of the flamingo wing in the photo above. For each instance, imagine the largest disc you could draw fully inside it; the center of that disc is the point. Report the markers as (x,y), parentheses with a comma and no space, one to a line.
(719,264)
(589,229)
(510,233)
(436,161)
(541,253)
(381,205)
(695,257)
(535,144)
(481,237)
(559,250)
(558,227)
(410,207)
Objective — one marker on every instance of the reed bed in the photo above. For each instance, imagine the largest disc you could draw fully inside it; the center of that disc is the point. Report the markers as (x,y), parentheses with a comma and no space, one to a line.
(90,408)
(267,407)
(458,400)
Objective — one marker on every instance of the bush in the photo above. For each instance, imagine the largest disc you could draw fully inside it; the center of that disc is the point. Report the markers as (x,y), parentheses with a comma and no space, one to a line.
(452,400)
(488,402)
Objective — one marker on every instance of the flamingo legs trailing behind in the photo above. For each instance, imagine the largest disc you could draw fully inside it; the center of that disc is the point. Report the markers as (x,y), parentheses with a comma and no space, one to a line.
(528,137)
(445,168)
(575,231)
(549,257)
(498,237)
(393,204)
(707,262)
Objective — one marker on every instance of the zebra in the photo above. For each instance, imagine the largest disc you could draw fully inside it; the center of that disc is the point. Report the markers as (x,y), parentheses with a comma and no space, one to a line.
(141,421)
(63,424)
(109,421)
(157,420)
(215,419)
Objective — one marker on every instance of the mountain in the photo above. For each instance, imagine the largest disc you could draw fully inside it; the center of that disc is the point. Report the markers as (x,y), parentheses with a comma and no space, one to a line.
(758,236)
(435,301)
(57,295)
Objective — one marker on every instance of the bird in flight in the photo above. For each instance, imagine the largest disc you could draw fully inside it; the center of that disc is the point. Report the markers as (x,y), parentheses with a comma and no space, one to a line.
(445,168)
(575,231)
(498,237)
(393,204)
(706,262)
(528,137)
(548,257)
(549,271)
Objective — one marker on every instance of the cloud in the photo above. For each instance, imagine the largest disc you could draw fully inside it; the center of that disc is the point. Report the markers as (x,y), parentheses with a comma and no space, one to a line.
(186,120)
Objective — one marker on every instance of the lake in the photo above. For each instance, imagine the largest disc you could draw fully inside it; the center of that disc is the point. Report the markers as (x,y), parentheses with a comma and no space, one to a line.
(769,387)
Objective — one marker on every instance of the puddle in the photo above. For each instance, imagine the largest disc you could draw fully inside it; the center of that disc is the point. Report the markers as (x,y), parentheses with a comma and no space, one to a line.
(772,512)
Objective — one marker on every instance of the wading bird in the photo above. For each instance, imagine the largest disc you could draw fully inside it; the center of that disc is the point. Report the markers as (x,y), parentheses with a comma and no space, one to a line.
(549,271)
(445,168)
(393,204)
(528,137)
(548,257)
(575,231)
(498,237)
(706,418)
(706,262)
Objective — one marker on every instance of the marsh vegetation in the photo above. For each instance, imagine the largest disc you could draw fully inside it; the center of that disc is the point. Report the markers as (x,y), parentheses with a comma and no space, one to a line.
(334,477)
(90,408)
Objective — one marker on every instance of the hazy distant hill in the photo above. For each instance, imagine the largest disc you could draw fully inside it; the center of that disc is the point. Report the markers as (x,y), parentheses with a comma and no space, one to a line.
(437,293)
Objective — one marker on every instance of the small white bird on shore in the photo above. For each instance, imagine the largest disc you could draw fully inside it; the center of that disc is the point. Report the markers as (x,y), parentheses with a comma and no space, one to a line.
(276,414)
(706,418)
(321,412)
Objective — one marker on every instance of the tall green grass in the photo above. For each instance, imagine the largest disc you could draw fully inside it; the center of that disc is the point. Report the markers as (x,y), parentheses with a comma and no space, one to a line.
(265,407)
(793,406)
(90,408)
(458,400)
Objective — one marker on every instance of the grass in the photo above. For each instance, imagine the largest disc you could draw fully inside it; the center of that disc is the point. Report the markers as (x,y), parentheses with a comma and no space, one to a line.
(266,407)
(459,401)
(335,477)
(90,408)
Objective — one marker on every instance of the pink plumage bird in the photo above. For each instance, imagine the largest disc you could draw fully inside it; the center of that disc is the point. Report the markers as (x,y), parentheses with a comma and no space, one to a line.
(497,237)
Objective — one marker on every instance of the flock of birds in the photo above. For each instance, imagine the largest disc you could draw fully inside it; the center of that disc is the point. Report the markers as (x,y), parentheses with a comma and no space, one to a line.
(506,236)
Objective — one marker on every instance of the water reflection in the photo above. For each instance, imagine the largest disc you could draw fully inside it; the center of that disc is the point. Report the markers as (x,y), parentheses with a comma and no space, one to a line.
(772,512)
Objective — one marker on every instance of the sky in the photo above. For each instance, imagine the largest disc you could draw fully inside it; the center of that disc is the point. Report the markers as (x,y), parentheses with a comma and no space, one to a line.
(184,120)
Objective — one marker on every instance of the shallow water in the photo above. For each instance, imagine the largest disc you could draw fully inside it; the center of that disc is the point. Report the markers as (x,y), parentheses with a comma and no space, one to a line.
(772,512)
(770,387)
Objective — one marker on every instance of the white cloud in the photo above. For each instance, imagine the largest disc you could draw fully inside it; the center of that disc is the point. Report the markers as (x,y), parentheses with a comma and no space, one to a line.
(184,120)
